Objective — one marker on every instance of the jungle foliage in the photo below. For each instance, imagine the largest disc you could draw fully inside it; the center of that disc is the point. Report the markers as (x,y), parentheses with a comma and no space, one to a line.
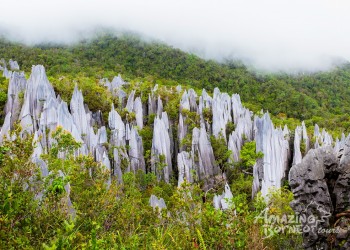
(321,97)
(35,212)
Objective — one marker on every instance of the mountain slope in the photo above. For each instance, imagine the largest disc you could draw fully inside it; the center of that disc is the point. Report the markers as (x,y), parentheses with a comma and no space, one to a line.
(321,97)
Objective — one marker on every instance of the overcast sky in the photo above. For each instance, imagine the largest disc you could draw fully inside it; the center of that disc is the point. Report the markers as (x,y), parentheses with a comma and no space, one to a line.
(268,34)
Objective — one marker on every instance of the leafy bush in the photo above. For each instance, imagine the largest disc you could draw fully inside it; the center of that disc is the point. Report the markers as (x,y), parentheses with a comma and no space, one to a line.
(248,154)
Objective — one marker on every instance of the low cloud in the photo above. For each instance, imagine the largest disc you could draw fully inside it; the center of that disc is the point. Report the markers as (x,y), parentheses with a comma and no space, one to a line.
(273,35)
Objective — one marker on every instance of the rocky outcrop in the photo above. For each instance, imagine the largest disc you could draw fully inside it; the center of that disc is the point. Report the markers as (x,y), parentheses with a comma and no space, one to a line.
(157,203)
(115,87)
(302,142)
(118,142)
(242,118)
(221,108)
(161,156)
(38,91)
(320,184)
(311,193)
(15,93)
(272,143)
(137,161)
(138,110)
(13,65)
(205,104)
(5,129)
(323,138)
(224,201)
(185,168)
(203,157)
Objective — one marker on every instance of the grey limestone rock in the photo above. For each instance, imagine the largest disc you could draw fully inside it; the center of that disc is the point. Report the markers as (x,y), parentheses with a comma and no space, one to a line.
(49,115)
(182,126)
(203,157)
(223,201)
(6,73)
(205,103)
(322,139)
(178,88)
(184,165)
(5,127)
(15,93)
(159,106)
(312,194)
(137,161)
(78,112)
(235,145)
(118,140)
(192,97)
(138,110)
(65,120)
(102,136)
(115,86)
(297,141)
(182,130)
(117,82)
(115,122)
(161,154)
(342,185)
(38,91)
(275,147)
(221,108)
(156,202)
(13,65)
(152,106)
(305,137)
(130,103)
(301,141)
(185,102)
(242,118)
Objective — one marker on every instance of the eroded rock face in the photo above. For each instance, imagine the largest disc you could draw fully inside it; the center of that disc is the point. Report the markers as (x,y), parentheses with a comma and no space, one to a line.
(242,118)
(275,147)
(161,156)
(221,108)
(115,86)
(13,65)
(118,141)
(138,110)
(321,188)
(15,94)
(205,104)
(157,203)
(6,73)
(184,165)
(137,161)
(38,90)
(203,157)
(223,201)
(5,127)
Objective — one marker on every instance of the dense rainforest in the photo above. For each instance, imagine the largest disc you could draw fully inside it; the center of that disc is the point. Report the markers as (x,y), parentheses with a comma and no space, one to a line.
(321,97)
(66,200)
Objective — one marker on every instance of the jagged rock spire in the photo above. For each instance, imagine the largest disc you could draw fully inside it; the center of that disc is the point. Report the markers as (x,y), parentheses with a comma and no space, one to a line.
(271,142)
(161,156)
(221,112)
(15,92)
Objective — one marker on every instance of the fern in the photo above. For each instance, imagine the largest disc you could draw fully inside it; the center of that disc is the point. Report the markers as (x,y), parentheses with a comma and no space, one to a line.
(201,240)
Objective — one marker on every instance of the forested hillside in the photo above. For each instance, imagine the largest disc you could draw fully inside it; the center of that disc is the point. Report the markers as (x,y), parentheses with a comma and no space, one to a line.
(322,97)
(151,160)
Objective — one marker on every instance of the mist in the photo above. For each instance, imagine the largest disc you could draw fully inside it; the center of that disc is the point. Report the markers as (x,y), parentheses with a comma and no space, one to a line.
(271,35)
